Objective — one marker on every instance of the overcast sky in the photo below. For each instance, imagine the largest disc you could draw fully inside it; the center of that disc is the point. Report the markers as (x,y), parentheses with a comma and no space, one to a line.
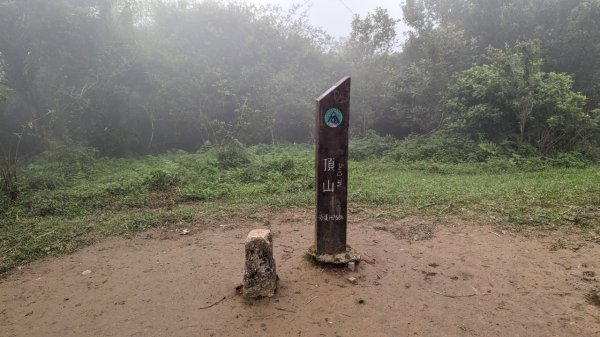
(335,16)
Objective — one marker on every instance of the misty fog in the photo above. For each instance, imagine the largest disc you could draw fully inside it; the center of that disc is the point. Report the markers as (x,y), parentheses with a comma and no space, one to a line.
(128,77)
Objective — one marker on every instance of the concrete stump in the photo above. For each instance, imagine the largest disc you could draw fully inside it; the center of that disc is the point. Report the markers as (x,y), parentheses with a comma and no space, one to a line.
(260,276)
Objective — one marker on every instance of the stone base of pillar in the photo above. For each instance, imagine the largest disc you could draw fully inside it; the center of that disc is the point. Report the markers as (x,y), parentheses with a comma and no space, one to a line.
(340,259)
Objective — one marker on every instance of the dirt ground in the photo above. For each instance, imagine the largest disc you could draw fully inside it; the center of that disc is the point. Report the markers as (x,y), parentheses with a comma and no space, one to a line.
(418,277)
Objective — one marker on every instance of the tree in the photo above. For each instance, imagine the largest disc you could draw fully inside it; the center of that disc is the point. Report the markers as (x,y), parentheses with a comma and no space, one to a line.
(373,35)
(510,98)
(370,56)
(432,57)
(579,50)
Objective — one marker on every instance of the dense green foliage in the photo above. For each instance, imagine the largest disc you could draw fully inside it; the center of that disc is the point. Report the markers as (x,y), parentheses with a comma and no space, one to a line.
(130,77)
(69,201)
(511,96)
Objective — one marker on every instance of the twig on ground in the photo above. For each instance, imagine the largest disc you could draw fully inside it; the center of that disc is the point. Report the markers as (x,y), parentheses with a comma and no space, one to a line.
(312,299)
(286,310)
(212,305)
(446,208)
(453,296)
(47,233)
(498,235)
(427,205)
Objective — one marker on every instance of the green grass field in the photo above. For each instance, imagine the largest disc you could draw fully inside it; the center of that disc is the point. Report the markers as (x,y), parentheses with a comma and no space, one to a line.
(66,205)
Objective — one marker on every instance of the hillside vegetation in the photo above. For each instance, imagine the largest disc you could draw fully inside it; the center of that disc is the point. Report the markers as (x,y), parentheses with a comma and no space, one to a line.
(131,77)
(121,115)
(69,203)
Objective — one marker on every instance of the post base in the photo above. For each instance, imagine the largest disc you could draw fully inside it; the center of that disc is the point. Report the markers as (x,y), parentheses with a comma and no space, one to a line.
(340,259)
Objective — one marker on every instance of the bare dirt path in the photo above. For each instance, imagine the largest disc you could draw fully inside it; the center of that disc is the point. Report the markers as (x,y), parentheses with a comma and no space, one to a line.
(418,278)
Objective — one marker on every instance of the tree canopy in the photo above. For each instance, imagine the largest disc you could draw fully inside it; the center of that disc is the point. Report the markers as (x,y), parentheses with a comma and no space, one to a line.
(130,77)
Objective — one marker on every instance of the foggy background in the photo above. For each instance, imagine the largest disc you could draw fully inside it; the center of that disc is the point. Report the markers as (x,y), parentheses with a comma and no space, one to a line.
(132,77)
(335,16)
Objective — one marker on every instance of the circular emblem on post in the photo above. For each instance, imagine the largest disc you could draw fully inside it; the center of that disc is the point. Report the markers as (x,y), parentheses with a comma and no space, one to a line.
(333,117)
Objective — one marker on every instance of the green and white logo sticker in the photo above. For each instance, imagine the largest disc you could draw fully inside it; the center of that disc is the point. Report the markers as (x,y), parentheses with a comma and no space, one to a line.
(333,117)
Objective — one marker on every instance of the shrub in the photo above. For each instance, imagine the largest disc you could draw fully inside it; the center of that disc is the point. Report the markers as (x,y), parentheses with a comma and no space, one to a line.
(69,158)
(232,154)
(281,164)
(192,193)
(42,204)
(5,203)
(43,180)
(569,160)
(439,147)
(129,188)
(160,180)
(510,147)
(370,147)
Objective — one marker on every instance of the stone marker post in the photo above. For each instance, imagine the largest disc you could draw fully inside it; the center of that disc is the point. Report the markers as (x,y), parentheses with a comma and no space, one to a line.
(260,275)
(331,172)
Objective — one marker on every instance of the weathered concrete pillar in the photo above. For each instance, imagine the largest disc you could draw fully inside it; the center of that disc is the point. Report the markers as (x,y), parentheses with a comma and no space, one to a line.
(260,276)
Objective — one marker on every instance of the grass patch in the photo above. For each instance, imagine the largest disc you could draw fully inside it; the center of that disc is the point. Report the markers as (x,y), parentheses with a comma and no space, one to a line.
(549,198)
(59,211)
